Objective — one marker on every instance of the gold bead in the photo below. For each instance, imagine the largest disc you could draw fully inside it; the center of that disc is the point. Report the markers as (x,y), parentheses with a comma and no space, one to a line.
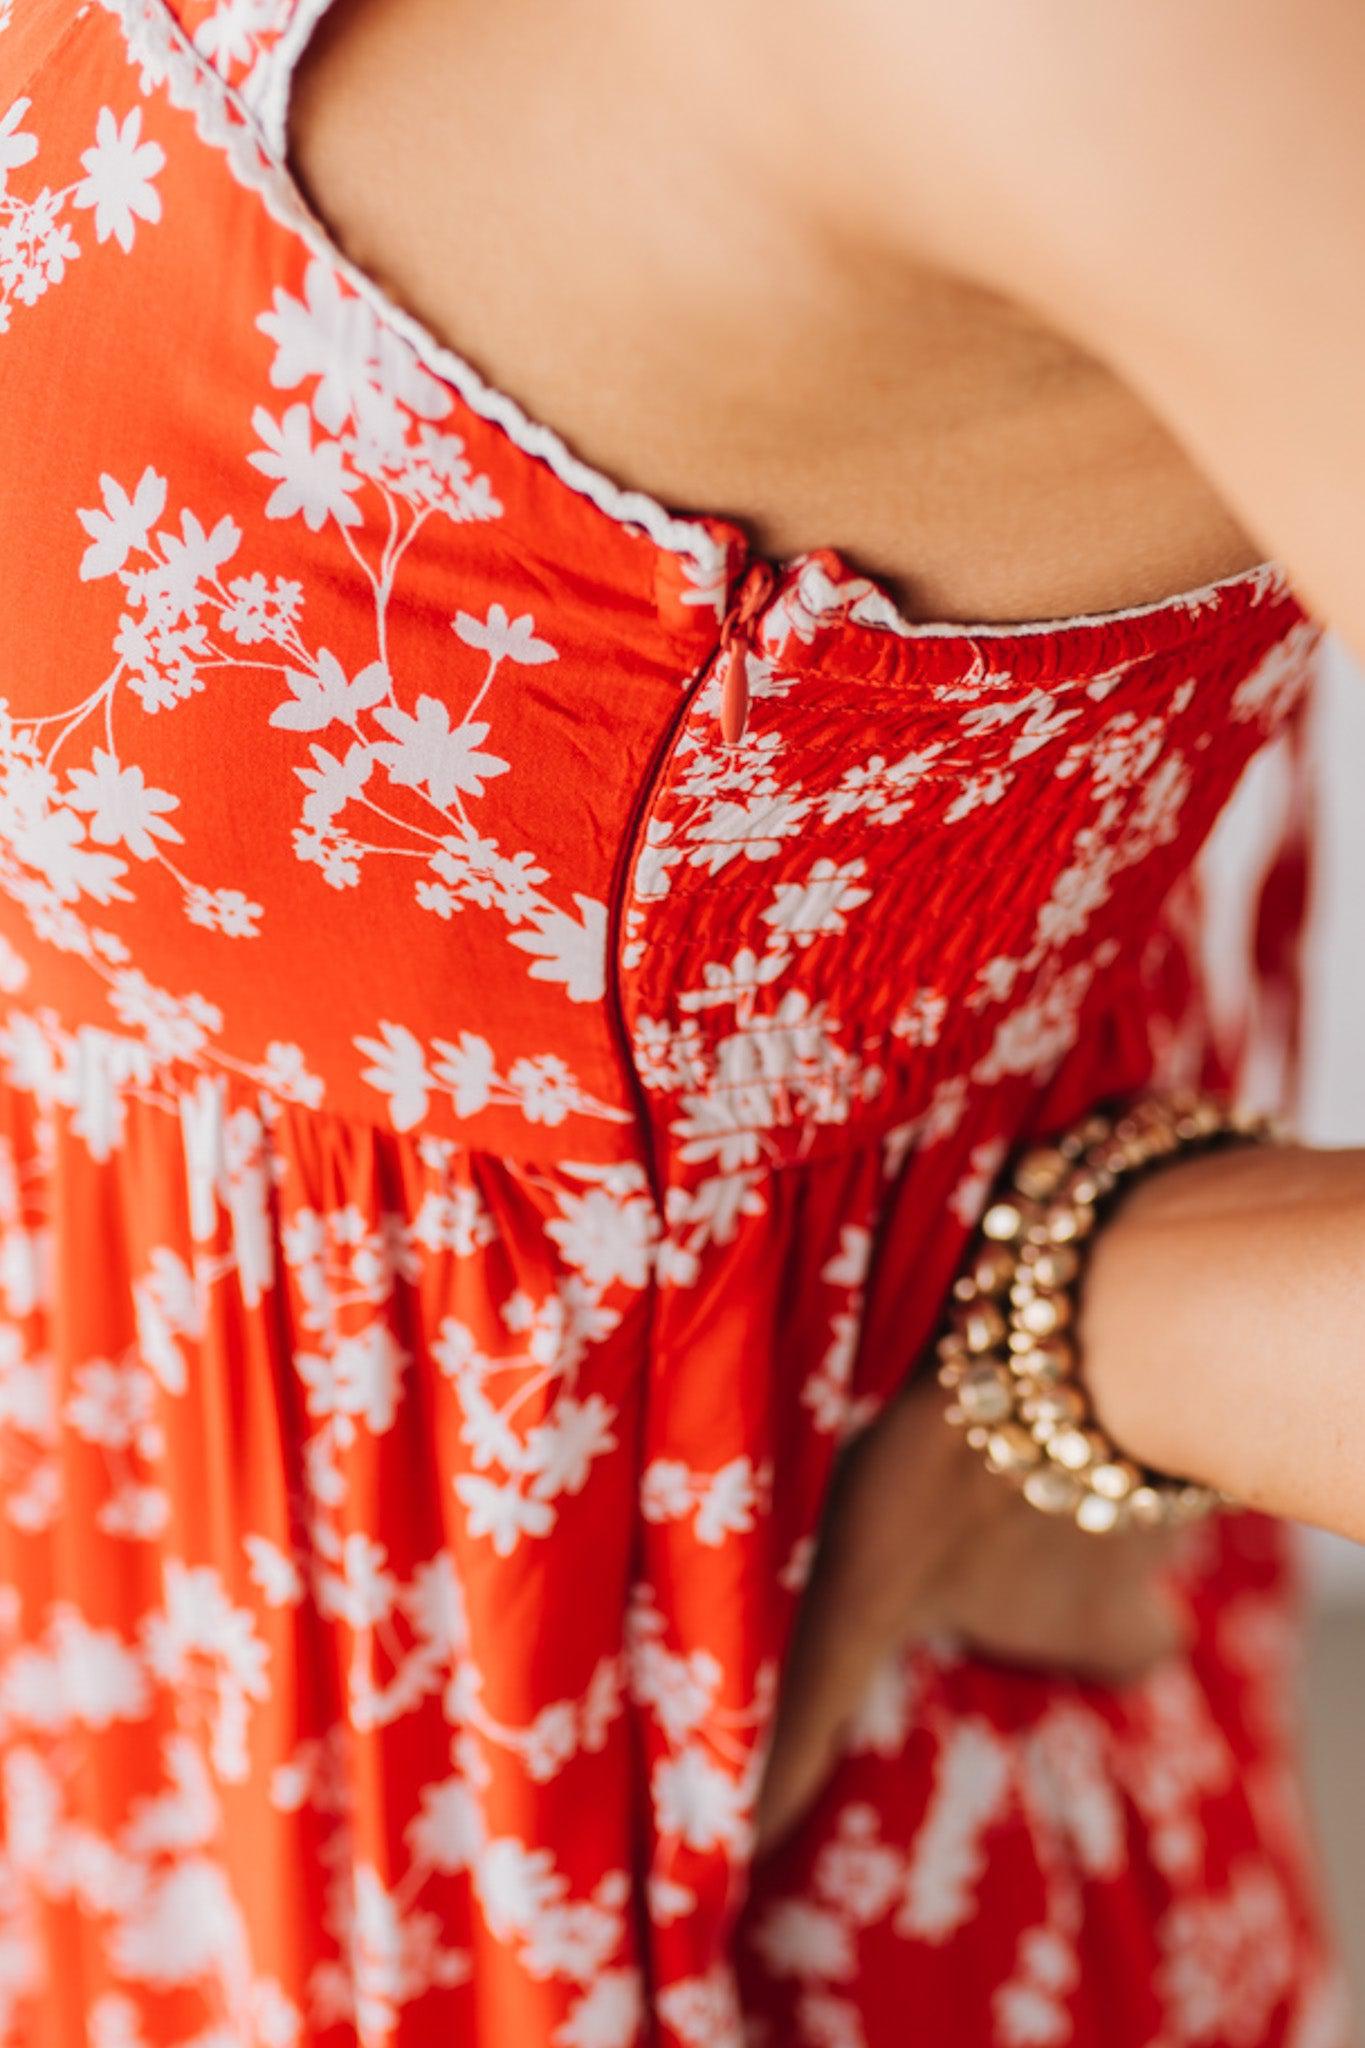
(982,1326)
(993,1268)
(1076,1448)
(1041,1172)
(1048,1364)
(1065,1222)
(1055,1405)
(1005,1221)
(985,1395)
(1111,1159)
(1097,1514)
(1115,1478)
(1011,1448)
(1054,1265)
(1044,1315)
(1053,1491)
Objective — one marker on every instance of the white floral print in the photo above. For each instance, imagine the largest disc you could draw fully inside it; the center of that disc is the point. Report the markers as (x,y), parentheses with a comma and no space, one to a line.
(475,1148)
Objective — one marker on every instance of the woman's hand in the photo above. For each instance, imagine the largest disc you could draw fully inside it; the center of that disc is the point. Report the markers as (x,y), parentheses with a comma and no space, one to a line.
(1222,1338)
(920,1538)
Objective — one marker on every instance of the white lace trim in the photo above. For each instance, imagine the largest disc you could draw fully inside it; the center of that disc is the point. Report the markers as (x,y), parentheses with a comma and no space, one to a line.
(255,144)
(271,102)
(167,56)
(872,606)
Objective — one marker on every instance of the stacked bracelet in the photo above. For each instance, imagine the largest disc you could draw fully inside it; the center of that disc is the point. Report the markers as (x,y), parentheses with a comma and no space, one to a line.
(1008,1354)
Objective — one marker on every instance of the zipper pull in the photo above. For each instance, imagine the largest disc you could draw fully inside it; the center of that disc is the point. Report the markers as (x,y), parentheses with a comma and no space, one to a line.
(758,582)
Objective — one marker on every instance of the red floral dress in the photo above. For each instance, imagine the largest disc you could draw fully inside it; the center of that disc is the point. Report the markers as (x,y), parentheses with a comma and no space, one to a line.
(509,1005)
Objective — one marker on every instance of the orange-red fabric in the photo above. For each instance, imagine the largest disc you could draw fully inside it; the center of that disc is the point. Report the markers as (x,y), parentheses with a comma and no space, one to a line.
(473,1143)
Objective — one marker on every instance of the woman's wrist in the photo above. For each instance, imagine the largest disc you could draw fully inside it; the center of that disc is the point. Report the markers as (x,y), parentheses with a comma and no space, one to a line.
(1221,1325)
(1008,1350)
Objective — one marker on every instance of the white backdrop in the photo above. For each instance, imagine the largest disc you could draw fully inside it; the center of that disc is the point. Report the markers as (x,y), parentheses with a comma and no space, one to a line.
(1334,1096)
(1332,1105)
(1335,1101)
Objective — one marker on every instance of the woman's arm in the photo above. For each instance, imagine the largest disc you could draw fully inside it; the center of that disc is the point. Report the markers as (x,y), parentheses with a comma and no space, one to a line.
(1178,187)
(1181,189)
(1222,1328)
(1222,1335)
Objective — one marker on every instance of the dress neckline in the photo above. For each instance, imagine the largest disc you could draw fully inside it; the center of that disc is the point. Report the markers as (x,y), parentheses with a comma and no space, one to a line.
(717,544)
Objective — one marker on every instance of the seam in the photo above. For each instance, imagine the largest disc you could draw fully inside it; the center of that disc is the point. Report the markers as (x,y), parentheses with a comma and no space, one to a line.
(178,1078)
(632,842)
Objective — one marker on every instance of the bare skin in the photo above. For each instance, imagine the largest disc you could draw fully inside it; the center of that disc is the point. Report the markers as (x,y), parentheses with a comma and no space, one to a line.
(1246,1375)
(1030,311)
(569,193)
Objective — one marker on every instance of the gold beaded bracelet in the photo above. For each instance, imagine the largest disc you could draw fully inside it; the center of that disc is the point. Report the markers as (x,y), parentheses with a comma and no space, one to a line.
(1008,1355)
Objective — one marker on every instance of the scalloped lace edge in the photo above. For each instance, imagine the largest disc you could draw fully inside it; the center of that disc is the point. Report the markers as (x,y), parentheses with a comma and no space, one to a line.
(252,133)
(167,55)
